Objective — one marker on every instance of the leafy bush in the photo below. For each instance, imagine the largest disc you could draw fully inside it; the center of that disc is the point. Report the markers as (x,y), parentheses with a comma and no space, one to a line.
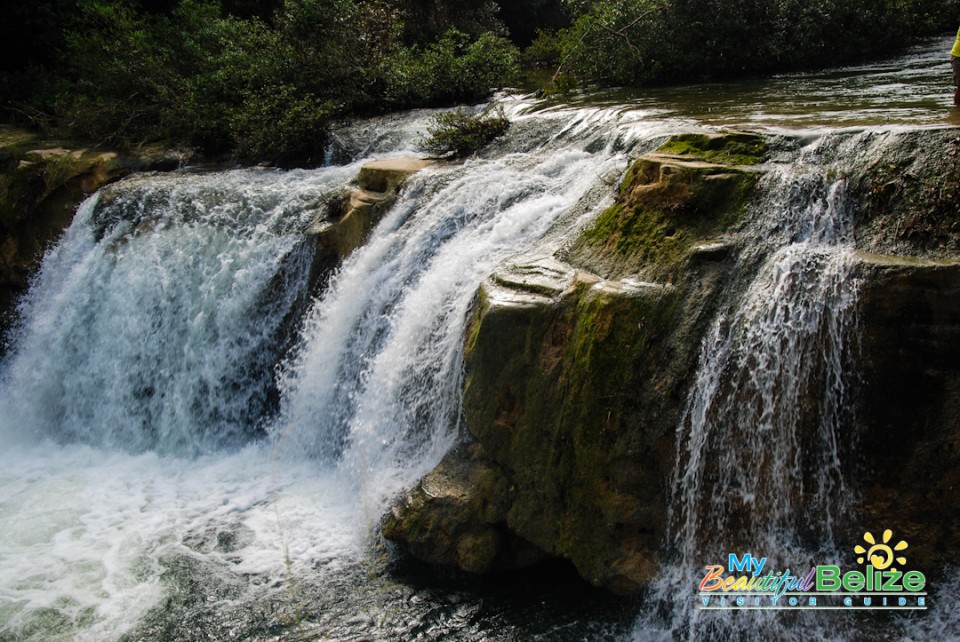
(278,125)
(451,70)
(544,51)
(459,133)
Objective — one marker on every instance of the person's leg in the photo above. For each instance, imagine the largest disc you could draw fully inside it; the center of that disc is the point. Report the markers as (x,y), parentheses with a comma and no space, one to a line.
(955,63)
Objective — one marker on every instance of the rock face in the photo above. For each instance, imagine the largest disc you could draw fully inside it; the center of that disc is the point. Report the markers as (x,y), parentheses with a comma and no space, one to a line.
(350,219)
(576,370)
(578,366)
(668,203)
(908,405)
(457,516)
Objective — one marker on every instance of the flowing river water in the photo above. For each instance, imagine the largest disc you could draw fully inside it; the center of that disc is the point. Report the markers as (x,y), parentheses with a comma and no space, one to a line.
(194,447)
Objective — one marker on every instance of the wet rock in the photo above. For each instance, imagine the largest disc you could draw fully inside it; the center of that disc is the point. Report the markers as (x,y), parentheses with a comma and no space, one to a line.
(455,517)
(908,406)
(907,190)
(670,204)
(387,176)
(348,220)
(576,371)
(572,392)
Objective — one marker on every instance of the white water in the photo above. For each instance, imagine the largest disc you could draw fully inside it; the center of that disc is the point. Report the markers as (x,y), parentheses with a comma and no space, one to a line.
(759,466)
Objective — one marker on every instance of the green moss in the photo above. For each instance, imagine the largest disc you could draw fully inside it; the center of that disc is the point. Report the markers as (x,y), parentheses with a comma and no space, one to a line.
(666,207)
(727,148)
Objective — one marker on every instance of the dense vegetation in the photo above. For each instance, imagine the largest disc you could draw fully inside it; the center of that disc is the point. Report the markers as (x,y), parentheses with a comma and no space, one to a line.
(263,79)
(630,42)
(260,79)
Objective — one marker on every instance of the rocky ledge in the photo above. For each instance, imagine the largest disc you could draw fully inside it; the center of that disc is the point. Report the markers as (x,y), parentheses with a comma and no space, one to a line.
(576,369)
(348,220)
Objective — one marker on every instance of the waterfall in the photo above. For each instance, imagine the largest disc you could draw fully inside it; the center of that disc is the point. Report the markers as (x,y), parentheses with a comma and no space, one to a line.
(182,416)
(195,444)
(759,443)
(376,379)
(156,322)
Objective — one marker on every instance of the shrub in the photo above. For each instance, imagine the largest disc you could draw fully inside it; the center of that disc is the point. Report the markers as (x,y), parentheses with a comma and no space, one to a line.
(451,70)
(279,125)
(459,134)
(631,42)
(231,80)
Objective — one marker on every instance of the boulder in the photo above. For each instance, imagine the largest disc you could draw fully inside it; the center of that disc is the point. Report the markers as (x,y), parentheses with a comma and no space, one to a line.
(668,204)
(455,517)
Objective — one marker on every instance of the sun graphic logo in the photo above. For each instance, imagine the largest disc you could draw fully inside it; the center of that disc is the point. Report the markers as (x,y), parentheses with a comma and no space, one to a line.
(881,555)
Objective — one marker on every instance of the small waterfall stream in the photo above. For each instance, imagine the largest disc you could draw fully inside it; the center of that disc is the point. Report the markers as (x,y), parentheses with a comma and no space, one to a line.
(759,442)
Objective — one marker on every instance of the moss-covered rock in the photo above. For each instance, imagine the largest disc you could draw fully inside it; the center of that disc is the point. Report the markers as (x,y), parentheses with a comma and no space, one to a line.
(669,203)
(572,390)
(727,148)
(577,369)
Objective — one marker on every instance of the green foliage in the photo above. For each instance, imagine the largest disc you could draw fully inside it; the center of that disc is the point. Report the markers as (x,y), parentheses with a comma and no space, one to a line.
(279,125)
(544,51)
(562,84)
(425,21)
(453,69)
(622,42)
(230,76)
(636,41)
(459,134)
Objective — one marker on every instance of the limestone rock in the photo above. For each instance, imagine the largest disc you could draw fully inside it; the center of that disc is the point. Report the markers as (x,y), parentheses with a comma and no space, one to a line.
(670,204)
(455,517)
(576,371)
(572,390)
(386,176)
(347,221)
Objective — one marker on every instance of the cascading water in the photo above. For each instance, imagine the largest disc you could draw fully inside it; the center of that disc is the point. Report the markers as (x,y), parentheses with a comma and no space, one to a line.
(379,369)
(759,462)
(157,321)
(156,330)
